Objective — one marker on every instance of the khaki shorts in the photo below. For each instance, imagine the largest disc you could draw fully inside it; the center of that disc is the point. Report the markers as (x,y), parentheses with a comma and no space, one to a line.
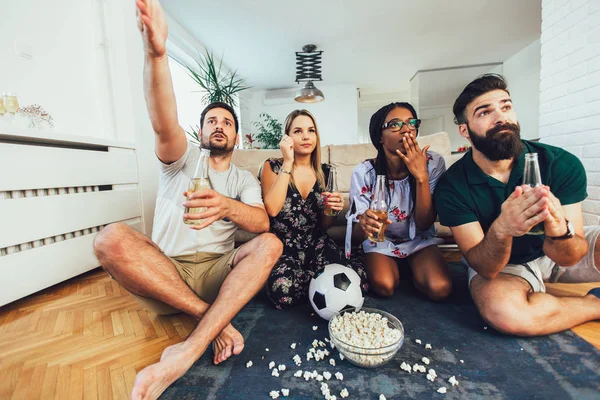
(204,273)
(543,269)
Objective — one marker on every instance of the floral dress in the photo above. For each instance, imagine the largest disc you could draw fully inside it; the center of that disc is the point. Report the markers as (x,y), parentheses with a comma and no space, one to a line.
(307,248)
(401,237)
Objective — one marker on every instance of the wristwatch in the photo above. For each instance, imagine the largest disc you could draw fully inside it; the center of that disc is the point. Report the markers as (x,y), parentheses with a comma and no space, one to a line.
(570,232)
(285,171)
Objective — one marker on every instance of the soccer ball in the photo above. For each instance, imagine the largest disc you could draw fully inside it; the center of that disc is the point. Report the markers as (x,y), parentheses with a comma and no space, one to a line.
(336,288)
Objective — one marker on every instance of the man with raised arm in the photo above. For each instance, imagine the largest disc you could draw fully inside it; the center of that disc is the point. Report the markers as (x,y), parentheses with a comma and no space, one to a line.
(190,268)
(484,202)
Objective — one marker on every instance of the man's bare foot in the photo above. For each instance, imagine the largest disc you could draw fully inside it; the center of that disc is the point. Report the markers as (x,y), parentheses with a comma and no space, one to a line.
(228,342)
(156,378)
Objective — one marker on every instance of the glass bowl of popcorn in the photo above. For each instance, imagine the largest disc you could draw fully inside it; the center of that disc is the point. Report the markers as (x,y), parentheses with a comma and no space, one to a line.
(366,337)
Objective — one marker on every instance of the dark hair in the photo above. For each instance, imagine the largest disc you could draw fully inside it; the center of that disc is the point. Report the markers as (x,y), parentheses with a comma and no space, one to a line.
(218,104)
(375,132)
(483,84)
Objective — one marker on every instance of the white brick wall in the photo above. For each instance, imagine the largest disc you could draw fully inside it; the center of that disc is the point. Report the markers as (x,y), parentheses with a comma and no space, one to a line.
(570,87)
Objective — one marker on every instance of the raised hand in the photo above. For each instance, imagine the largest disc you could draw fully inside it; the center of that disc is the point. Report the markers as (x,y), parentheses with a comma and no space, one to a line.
(287,149)
(153,26)
(415,158)
(523,209)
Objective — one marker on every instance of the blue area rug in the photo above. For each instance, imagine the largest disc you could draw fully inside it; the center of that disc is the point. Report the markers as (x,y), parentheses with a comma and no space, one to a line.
(495,366)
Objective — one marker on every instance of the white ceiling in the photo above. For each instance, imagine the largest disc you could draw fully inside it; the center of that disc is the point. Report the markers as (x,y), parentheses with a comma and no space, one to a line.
(441,87)
(377,45)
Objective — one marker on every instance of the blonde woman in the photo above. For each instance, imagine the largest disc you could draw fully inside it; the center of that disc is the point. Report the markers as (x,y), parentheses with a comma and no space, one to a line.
(294,196)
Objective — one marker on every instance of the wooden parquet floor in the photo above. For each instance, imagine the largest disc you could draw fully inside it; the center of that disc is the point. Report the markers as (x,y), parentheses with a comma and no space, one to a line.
(87,338)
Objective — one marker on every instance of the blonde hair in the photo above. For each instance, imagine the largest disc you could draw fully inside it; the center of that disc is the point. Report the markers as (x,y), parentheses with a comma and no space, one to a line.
(315,157)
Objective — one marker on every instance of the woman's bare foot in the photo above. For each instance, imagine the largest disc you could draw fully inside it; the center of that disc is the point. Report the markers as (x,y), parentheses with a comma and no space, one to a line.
(156,378)
(228,342)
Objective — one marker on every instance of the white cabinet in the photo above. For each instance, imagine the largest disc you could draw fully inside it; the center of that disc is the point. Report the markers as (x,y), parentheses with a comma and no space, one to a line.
(56,192)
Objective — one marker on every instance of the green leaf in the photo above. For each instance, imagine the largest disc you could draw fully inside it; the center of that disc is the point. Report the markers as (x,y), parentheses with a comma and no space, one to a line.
(219,86)
(270,131)
(193,134)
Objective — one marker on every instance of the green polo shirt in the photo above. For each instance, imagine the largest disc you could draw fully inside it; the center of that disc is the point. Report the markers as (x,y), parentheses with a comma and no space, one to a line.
(466,194)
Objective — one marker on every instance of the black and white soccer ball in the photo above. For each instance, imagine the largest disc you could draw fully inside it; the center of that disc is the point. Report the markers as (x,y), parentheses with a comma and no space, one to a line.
(335,289)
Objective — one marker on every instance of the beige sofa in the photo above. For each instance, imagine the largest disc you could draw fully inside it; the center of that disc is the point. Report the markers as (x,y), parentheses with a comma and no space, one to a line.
(345,158)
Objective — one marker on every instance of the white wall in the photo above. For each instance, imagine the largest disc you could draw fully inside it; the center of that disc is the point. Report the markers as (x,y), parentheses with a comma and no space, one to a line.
(86,70)
(188,95)
(368,104)
(448,125)
(132,121)
(415,91)
(184,49)
(337,115)
(522,71)
(433,94)
(570,87)
(67,73)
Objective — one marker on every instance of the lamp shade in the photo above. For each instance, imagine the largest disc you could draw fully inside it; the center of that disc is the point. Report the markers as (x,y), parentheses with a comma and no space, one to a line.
(309,94)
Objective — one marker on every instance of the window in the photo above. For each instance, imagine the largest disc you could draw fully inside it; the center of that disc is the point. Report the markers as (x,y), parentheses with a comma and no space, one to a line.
(181,50)
(188,95)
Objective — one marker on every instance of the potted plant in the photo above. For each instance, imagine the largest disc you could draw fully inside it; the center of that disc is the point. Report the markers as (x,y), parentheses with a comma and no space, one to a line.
(270,131)
(193,133)
(249,141)
(219,85)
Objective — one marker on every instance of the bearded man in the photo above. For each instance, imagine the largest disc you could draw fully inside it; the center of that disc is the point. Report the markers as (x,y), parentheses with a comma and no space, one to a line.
(490,212)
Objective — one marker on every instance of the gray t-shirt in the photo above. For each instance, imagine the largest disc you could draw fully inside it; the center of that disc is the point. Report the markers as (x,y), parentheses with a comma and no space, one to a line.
(176,238)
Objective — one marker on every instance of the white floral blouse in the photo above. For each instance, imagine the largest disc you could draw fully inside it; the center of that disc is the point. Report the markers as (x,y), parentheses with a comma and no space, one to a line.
(401,237)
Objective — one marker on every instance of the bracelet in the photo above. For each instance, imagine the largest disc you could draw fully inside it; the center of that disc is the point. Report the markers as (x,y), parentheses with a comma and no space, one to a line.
(285,171)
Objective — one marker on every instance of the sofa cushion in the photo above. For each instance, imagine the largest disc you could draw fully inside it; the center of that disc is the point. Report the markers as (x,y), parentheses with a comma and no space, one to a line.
(345,158)
(337,233)
(252,160)
(242,236)
(442,230)
(439,142)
